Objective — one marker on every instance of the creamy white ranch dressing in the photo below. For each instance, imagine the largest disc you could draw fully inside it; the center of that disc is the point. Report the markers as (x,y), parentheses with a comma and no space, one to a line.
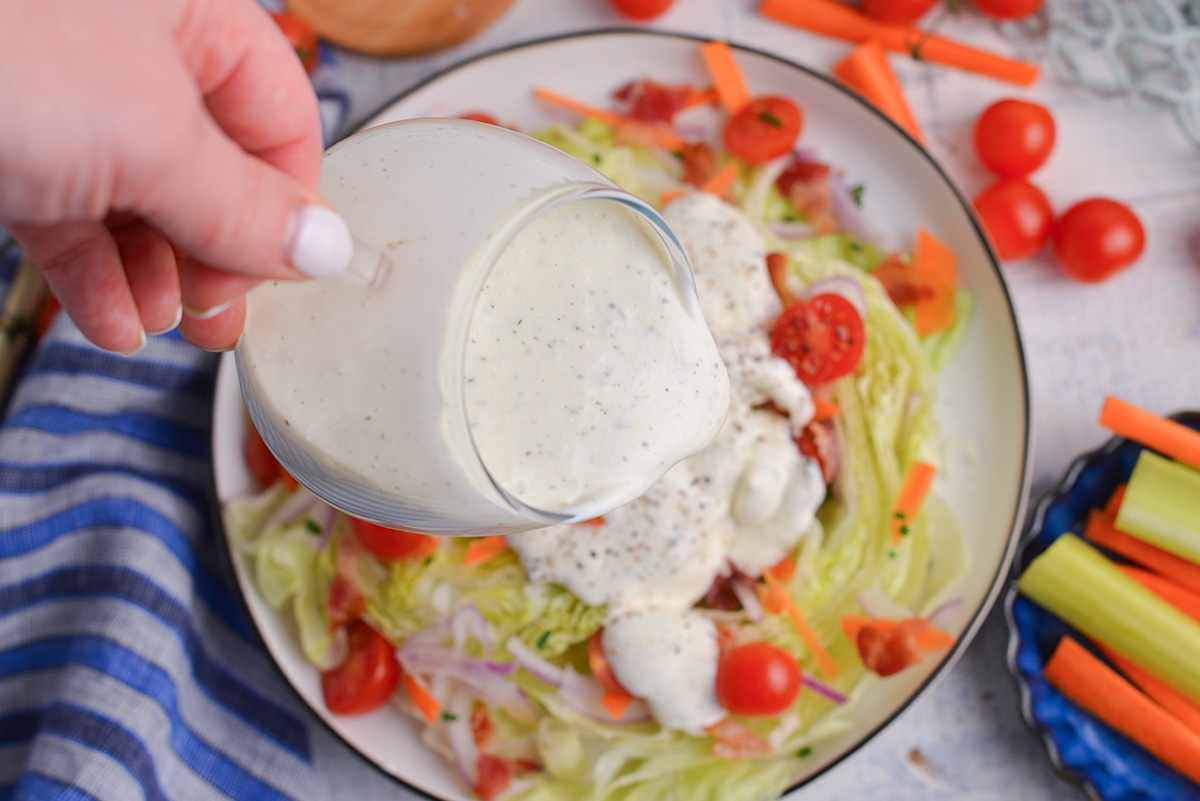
(586,375)
(745,500)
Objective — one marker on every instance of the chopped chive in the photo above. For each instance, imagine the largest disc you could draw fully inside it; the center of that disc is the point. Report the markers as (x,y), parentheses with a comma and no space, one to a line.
(312,526)
(900,515)
(857,191)
(429,560)
(805,751)
(904,530)
(449,716)
(770,119)
(891,554)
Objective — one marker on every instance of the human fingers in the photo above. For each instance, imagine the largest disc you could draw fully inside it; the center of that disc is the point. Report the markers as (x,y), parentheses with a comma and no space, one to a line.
(219,332)
(207,291)
(152,271)
(82,265)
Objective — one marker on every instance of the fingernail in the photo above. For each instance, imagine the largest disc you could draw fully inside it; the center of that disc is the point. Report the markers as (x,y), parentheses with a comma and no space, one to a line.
(226,348)
(205,314)
(141,344)
(172,326)
(321,244)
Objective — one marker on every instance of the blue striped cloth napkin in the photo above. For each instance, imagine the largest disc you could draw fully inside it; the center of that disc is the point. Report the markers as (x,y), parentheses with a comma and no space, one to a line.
(128,669)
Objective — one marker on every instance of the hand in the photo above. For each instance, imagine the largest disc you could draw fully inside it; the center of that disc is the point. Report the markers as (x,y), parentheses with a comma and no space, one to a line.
(159,159)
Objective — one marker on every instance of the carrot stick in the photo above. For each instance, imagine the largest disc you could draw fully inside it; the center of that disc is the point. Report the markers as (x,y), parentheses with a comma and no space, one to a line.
(1114,501)
(702,97)
(643,133)
(778,268)
(936,267)
(482,549)
(824,410)
(908,502)
(1170,699)
(422,699)
(769,600)
(1179,597)
(784,569)
(866,71)
(616,703)
(831,18)
(1101,691)
(717,185)
(825,662)
(1165,436)
(726,75)
(1101,531)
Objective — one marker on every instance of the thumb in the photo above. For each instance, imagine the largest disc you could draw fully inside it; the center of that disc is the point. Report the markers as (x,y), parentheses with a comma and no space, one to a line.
(233,210)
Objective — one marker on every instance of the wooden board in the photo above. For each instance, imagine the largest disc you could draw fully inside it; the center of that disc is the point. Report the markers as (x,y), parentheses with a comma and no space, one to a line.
(397,27)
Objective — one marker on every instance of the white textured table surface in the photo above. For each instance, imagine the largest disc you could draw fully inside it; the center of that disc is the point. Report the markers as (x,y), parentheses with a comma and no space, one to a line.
(1136,335)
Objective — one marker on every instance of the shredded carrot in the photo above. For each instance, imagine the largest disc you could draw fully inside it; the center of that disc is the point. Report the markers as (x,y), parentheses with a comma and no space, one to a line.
(643,133)
(777,268)
(1101,531)
(666,197)
(908,501)
(825,410)
(727,76)
(866,71)
(616,703)
(936,267)
(1169,438)
(784,569)
(702,97)
(841,21)
(769,599)
(1114,501)
(482,549)
(717,185)
(1098,689)
(1179,597)
(825,661)
(422,699)
(1170,699)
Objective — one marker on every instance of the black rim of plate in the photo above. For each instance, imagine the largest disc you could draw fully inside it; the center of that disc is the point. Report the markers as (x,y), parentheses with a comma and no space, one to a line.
(1003,568)
(1033,532)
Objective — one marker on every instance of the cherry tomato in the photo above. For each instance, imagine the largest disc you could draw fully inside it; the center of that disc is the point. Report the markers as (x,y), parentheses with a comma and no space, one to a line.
(1008,9)
(1018,217)
(899,12)
(495,775)
(368,676)
(765,129)
(259,458)
(821,337)
(642,9)
(301,37)
(1096,238)
(1013,138)
(598,662)
(389,544)
(757,679)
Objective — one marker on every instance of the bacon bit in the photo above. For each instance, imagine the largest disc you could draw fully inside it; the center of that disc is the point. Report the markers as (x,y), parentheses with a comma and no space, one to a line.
(720,594)
(649,101)
(726,637)
(482,726)
(732,740)
(806,185)
(817,441)
(901,281)
(495,776)
(527,766)
(699,163)
(344,603)
(889,646)
(777,268)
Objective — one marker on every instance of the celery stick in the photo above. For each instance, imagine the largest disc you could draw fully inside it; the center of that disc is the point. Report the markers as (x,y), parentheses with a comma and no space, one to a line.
(1162,505)
(1078,584)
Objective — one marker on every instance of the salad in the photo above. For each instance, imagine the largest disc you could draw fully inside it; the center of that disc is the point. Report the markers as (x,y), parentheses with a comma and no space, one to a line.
(707,637)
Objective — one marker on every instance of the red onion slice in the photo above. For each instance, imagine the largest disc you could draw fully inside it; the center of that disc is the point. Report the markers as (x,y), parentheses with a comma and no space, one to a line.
(744,589)
(534,664)
(842,285)
(822,689)
(793,231)
(848,212)
(468,621)
(583,694)
(939,617)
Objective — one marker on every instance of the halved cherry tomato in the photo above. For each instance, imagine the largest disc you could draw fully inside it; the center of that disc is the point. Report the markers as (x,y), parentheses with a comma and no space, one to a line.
(822,338)
(368,676)
(642,9)
(757,679)
(479,116)
(259,458)
(1096,238)
(1008,9)
(899,12)
(495,775)
(598,662)
(391,545)
(1018,216)
(765,129)
(699,163)
(1014,137)
(343,602)
(301,37)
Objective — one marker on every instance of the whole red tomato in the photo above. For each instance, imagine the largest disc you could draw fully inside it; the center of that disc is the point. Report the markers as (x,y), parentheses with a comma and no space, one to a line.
(368,676)
(899,12)
(642,9)
(1008,9)
(757,679)
(301,37)
(1096,238)
(1014,137)
(1017,216)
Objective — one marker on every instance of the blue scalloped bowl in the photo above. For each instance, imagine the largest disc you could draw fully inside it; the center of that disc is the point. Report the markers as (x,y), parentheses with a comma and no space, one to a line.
(1105,764)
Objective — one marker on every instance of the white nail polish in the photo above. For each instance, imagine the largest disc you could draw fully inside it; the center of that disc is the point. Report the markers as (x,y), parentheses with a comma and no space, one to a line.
(321,244)
(172,326)
(207,314)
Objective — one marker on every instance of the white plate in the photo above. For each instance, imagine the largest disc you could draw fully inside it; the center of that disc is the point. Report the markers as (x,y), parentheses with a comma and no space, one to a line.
(982,395)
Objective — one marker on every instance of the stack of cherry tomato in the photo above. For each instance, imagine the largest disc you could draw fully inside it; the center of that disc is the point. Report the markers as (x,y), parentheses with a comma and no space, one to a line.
(1092,240)
(906,12)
